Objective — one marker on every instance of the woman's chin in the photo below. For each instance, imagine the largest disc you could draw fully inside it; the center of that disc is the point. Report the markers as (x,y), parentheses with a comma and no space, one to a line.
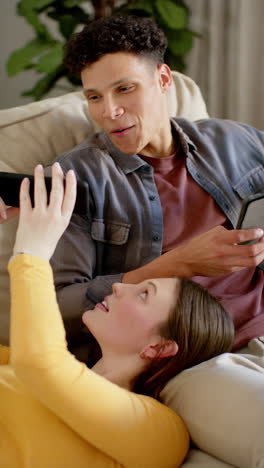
(85,318)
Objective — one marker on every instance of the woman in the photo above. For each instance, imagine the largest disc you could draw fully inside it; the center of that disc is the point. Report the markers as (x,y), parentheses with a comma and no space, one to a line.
(54,411)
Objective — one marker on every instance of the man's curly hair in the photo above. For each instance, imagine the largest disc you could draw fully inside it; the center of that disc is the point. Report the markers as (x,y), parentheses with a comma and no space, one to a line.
(120,33)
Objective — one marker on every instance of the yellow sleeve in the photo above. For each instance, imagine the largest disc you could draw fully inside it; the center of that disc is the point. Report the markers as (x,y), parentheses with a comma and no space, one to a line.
(4,354)
(134,430)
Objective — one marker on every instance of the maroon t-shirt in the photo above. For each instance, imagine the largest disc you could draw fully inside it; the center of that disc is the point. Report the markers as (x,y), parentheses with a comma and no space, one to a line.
(188,210)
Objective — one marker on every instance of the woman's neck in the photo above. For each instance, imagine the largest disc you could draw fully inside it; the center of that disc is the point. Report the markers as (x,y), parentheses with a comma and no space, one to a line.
(120,371)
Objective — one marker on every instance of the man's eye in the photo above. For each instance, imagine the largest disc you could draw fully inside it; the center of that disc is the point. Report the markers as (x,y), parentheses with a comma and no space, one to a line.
(144,295)
(92,98)
(125,88)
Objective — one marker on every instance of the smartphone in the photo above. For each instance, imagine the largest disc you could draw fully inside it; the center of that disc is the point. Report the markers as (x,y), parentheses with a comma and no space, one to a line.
(252,214)
(10,187)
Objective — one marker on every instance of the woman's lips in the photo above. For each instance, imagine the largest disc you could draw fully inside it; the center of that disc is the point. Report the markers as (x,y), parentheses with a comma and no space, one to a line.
(102,305)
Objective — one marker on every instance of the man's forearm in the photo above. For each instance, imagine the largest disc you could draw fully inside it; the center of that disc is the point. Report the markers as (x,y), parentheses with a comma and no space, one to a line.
(216,252)
(167,265)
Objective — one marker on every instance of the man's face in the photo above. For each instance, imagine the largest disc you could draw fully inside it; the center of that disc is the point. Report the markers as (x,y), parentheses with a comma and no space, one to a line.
(126,95)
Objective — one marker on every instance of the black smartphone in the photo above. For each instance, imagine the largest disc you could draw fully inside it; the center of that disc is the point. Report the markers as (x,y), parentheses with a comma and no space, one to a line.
(10,187)
(252,214)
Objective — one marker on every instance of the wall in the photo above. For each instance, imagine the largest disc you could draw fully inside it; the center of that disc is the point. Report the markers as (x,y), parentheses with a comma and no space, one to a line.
(228,61)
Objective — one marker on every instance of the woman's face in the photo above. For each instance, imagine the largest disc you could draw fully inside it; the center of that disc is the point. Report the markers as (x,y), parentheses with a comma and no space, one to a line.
(129,319)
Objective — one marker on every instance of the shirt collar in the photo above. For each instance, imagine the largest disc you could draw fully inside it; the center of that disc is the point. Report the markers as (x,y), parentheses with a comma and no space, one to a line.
(183,137)
(127,162)
(132,162)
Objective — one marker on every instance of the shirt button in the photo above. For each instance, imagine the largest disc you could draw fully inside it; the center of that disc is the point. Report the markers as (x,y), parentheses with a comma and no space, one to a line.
(156,238)
(146,168)
(152,197)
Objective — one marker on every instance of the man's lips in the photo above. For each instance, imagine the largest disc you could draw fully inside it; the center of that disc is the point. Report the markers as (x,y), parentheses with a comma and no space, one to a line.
(121,130)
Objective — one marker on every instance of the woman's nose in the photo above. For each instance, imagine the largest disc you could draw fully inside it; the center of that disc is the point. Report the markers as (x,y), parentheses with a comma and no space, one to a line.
(117,288)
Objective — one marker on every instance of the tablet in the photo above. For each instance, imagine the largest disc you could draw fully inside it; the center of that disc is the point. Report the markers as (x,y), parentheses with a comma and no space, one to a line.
(10,187)
(252,214)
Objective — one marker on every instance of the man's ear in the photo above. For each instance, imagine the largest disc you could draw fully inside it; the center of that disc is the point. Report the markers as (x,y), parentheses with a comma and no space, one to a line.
(165,77)
(165,349)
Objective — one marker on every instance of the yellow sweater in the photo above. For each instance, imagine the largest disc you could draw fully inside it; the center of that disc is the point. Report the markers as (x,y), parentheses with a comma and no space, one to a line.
(57,413)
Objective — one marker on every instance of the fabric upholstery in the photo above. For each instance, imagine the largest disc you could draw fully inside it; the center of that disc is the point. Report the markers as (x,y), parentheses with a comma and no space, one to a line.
(222,403)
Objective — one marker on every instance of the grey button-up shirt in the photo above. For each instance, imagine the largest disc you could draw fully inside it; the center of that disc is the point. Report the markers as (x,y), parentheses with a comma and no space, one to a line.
(123,226)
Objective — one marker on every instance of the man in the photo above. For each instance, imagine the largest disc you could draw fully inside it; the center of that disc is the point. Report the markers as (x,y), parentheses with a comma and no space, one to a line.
(164,195)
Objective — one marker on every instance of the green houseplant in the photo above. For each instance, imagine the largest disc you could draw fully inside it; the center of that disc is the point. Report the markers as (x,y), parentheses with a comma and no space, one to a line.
(44,52)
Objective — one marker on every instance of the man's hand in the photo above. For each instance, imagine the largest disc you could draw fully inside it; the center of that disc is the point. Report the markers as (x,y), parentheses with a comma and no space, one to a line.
(213,253)
(7,213)
(217,252)
(40,228)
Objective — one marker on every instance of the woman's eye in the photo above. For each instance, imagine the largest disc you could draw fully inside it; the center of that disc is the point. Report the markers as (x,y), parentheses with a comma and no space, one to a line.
(144,295)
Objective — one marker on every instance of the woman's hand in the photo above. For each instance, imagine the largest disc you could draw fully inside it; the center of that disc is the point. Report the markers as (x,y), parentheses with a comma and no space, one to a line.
(40,228)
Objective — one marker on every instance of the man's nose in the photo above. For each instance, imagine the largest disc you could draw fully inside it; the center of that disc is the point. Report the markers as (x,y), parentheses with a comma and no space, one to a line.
(112,109)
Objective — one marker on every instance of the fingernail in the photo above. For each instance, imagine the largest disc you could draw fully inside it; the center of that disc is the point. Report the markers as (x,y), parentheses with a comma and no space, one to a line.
(57,164)
(4,215)
(39,166)
(260,232)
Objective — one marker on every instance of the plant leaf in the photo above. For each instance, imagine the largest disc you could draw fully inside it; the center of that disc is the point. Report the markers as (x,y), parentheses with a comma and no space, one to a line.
(174,16)
(72,3)
(50,61)
(79,15)
(45,84)
(34,4)
(175,62)
(67,24)
(40,4)
(26,9)
(21,59)
(180,42)
(140,7)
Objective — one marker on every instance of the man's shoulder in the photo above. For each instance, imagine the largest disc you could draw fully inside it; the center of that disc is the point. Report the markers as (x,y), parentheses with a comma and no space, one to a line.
(90,151)
(221,134)
(92,144)
(210,124)
(214,127)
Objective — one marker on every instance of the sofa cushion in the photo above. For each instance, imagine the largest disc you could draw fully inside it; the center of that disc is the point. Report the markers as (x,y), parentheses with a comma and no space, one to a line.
(198,459)
(222,404)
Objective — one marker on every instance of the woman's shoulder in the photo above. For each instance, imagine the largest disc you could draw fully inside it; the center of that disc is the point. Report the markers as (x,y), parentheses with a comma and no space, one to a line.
(165,433)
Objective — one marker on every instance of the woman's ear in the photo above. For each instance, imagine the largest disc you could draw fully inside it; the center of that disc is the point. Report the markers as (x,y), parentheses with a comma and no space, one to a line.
(165,349)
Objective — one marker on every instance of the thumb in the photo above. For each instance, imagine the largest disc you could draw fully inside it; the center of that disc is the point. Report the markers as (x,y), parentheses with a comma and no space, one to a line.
(11,212)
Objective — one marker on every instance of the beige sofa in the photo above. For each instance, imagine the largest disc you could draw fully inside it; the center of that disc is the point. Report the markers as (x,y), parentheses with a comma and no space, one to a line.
(36,133)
